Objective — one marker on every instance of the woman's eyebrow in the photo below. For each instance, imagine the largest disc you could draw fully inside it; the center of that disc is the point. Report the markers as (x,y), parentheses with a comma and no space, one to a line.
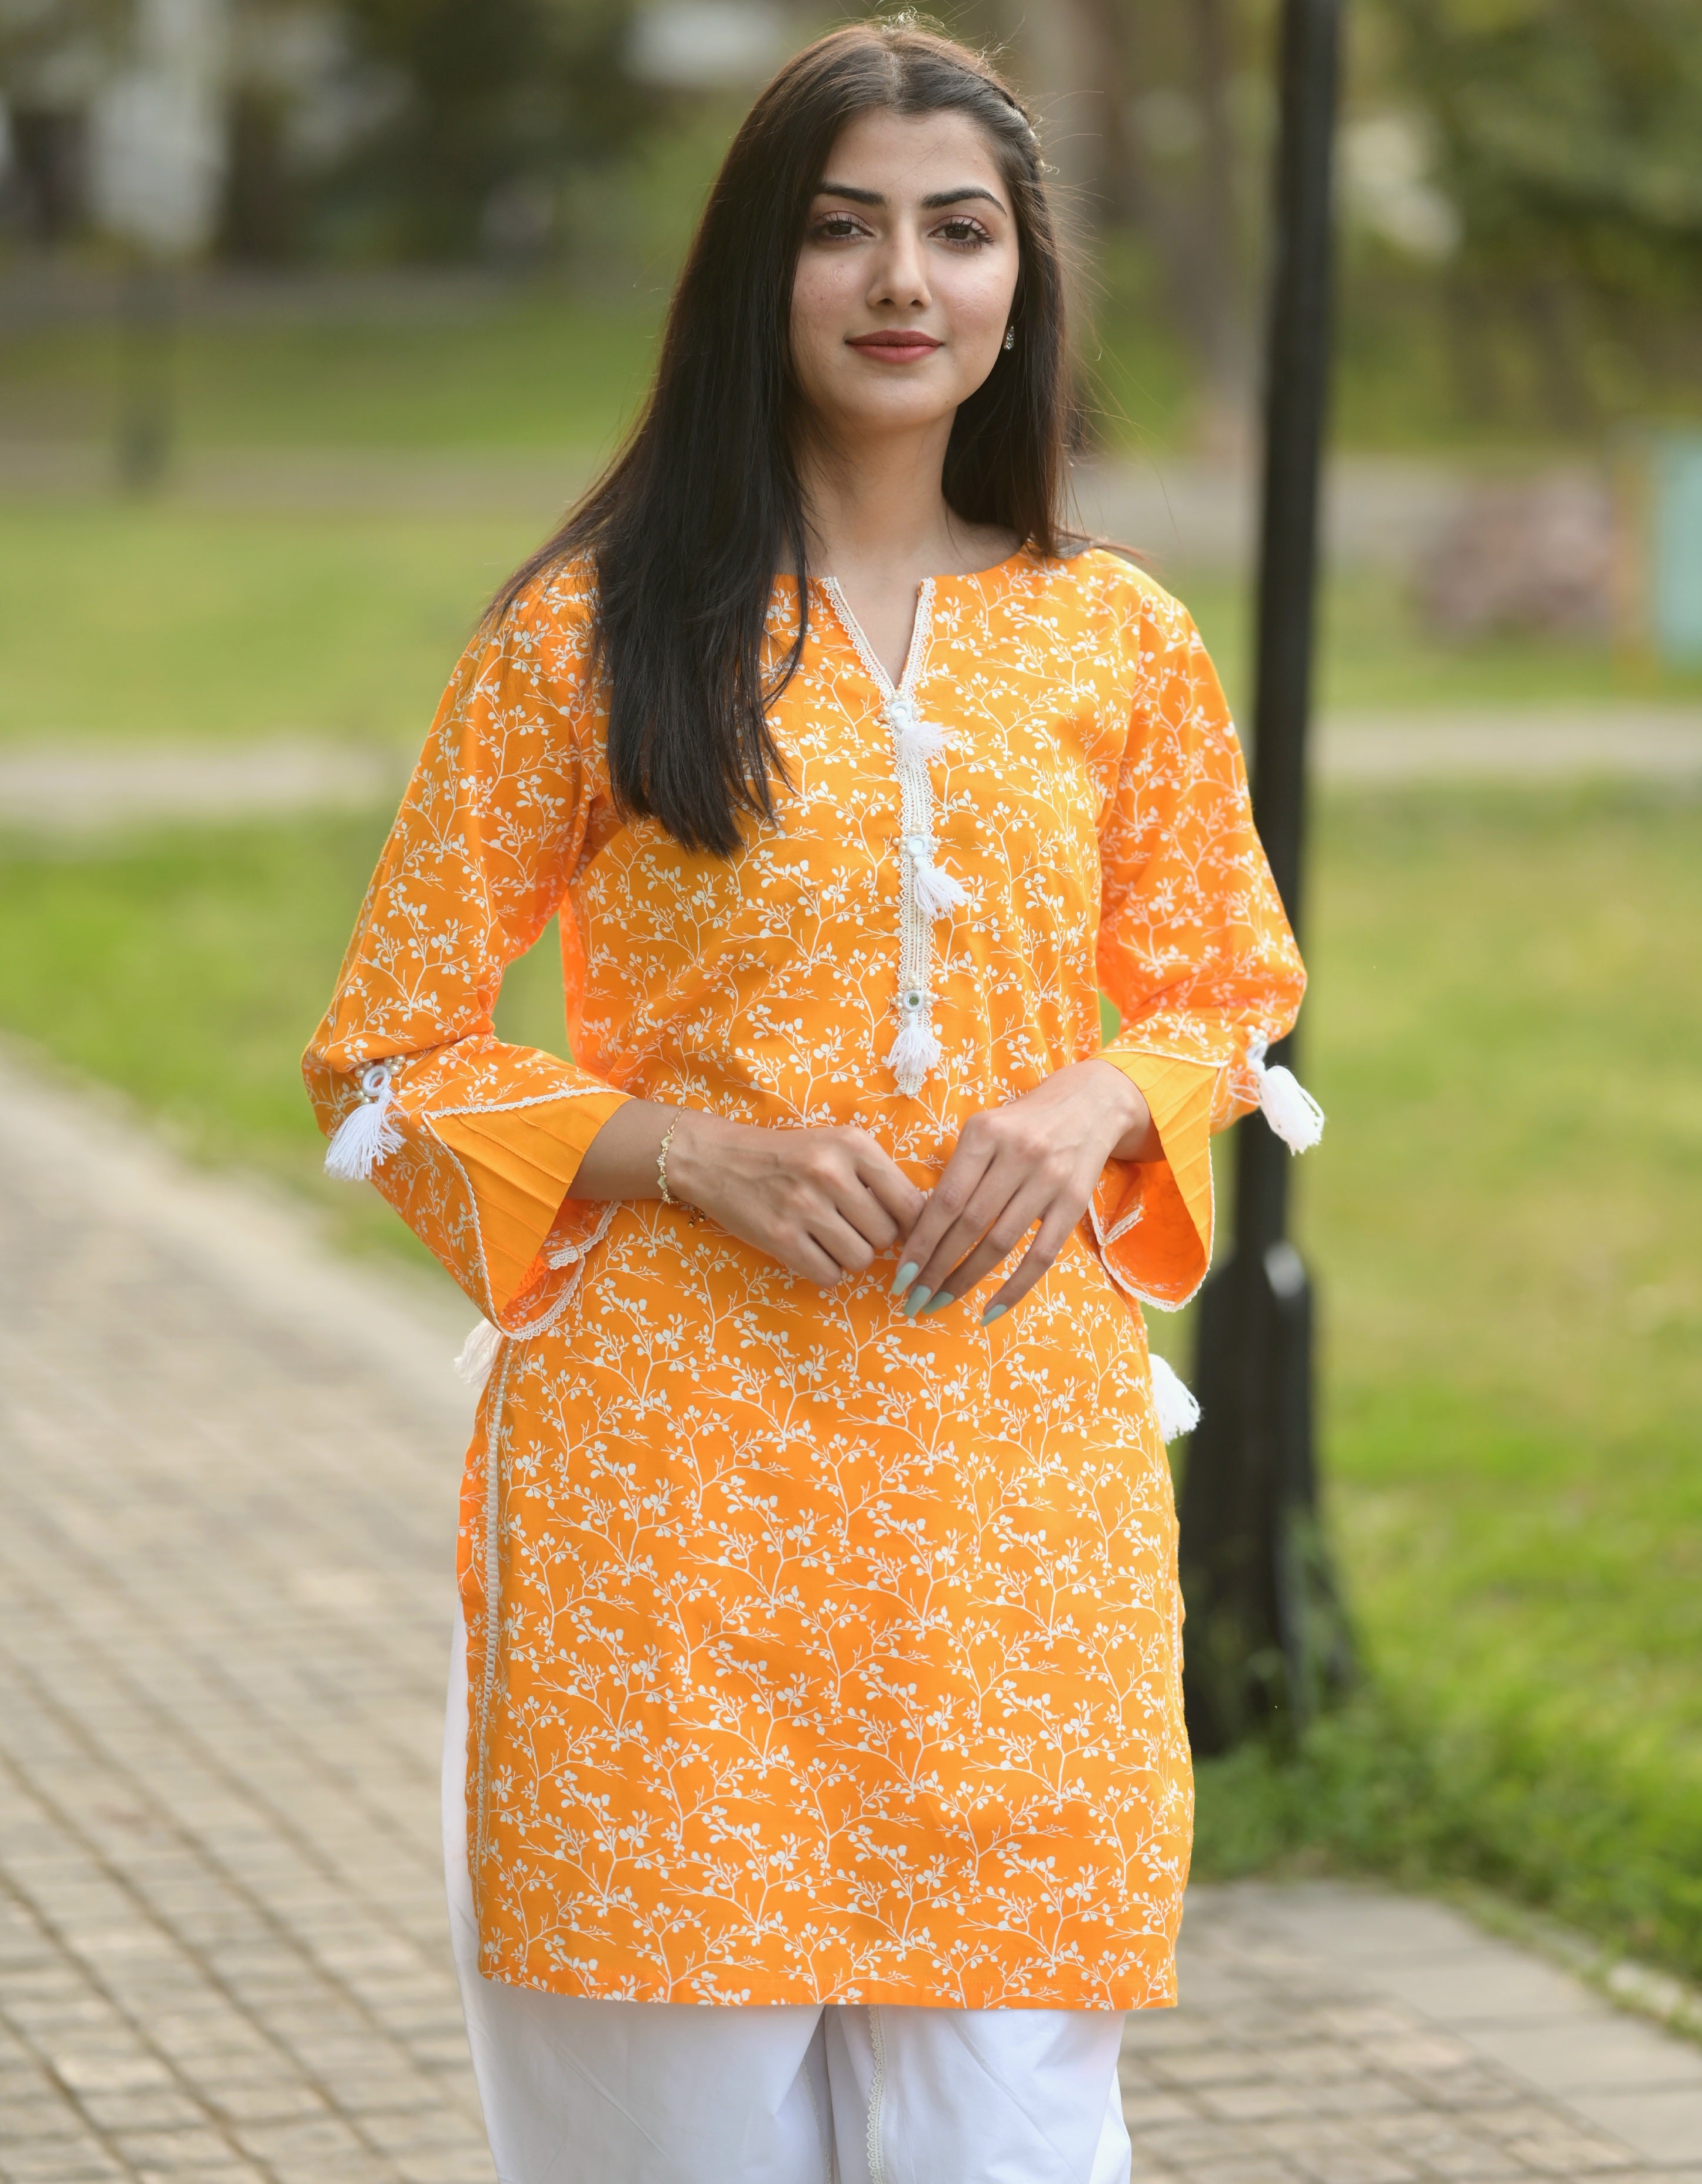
(955,197)
(933,203)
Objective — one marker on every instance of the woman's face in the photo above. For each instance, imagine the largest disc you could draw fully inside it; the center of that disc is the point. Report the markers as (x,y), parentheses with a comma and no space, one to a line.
(905,281)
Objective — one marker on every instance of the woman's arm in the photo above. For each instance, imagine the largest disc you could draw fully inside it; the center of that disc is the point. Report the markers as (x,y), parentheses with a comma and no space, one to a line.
(474,1141)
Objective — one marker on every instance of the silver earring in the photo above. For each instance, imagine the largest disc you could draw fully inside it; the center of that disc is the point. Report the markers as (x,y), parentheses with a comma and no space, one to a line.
(1010,337)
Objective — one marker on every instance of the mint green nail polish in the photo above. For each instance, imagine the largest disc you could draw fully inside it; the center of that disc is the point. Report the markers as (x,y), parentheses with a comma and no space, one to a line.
(918,1297)
(992,1312)
(904,1276)
(935,1303)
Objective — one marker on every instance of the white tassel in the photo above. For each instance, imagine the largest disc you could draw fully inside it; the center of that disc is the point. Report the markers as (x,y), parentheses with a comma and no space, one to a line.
(366,1133)
(1288,1107)
(937,892)
(912,1054)
(477,1354)
(917,739)
(1173,1402)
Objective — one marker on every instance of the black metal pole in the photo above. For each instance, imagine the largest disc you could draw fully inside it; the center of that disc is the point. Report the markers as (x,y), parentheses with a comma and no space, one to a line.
(1265,1638)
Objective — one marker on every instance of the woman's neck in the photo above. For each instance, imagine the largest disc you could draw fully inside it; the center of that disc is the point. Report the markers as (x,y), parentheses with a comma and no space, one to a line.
(879,524)
(877,502)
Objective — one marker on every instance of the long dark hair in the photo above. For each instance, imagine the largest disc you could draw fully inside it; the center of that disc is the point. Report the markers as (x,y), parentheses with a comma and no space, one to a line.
(689,524)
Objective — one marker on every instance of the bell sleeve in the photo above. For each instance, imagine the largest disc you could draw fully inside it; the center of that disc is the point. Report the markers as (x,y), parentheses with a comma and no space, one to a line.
(1197,954)
(473,1141)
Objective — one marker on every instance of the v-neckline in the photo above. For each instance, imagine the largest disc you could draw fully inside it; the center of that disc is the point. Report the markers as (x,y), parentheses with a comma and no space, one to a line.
(921,625)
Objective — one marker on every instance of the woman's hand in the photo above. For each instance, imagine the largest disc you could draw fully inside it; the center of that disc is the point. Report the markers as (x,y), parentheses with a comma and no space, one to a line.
(1036,1159)
(825,1203)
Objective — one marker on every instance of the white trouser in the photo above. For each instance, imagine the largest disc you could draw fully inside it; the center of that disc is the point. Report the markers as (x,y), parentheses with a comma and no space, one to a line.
(663,2092)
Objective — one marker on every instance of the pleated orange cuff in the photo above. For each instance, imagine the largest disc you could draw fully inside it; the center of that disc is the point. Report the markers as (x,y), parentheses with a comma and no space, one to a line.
(520,1161)
(1167,1253)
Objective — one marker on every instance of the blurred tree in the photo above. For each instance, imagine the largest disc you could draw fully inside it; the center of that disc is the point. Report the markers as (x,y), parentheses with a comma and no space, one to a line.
(1175,160)
(1149,120)
(44,40)
(1568,134)
(53,54)
(498,100)
(258,219)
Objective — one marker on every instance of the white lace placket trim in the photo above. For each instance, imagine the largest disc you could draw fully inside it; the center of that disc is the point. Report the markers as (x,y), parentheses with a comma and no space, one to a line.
(925,891)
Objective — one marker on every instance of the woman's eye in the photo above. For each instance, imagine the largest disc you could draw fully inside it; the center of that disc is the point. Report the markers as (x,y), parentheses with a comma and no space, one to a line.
(837,227)
(962,230)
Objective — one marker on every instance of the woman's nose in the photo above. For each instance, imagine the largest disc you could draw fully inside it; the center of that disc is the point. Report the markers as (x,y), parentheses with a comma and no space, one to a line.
(900,277)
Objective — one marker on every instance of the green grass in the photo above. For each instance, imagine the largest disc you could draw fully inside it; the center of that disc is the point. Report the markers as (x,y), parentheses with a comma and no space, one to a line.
(1506,1034)
(155,621)
(189,970)
(491,369)
(1375,655)
(1505,1031)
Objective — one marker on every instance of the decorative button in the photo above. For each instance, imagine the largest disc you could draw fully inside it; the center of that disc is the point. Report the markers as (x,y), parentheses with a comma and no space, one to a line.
(912,998)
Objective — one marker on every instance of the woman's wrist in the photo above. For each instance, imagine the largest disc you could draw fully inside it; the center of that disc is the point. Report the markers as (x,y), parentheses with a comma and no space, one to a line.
(691,1152)
(1137,1139)
(620,1160)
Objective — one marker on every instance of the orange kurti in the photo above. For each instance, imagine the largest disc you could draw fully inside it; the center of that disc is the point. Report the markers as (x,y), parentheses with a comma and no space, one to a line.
(818,1654)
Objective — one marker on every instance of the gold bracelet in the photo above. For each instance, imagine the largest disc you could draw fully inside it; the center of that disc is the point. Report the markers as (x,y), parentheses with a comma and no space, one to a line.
(667,1196)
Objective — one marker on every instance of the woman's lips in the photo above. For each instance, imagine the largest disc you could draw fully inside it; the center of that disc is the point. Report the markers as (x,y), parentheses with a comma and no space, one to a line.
(902,346)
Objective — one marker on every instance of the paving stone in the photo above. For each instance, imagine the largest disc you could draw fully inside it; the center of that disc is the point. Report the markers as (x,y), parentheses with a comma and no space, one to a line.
(264,2101)
(37,2115)
(219,2172)
(57,2161)
(91,2073)
(1261,2171)
(471,2165)
(1662,2125)
(1256,2100)
(1186,2145)
(158,2110)
(1355,2165)
(298,2138)
(172,2152)
(1209,2066)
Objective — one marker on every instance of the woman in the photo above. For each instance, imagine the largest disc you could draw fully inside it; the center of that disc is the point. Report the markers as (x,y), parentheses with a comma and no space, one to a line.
(818,1559)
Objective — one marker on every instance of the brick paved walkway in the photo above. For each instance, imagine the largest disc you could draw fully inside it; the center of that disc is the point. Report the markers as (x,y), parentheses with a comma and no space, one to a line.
(230,1466)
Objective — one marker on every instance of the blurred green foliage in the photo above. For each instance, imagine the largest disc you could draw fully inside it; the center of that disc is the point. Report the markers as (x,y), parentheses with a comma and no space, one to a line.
(1559,143)
(1567,138)
(501,100)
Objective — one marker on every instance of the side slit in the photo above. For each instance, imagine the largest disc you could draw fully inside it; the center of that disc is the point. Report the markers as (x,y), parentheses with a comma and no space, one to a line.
(877,2088)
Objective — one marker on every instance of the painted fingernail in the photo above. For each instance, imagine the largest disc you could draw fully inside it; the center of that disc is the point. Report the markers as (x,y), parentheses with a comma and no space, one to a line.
(993,1312)
(934,1303)
(918,1297)
(904,1276)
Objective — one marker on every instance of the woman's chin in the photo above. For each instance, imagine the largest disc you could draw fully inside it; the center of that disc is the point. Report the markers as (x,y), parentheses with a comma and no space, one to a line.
(898,403)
